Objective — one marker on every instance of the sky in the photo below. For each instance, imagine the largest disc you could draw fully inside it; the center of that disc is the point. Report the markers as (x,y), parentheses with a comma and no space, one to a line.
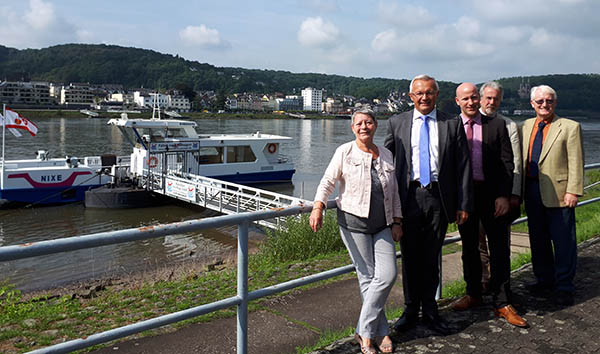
(452,40)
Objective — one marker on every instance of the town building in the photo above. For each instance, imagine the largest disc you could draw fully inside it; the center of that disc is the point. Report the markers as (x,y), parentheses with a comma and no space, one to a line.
(32,93)
(76,94)
(148,100)
(179,103)
(312,99)
(333,105)
(289,103)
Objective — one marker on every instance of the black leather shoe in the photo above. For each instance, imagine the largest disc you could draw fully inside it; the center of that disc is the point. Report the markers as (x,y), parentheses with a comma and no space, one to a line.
(405,322)
(437,324)
(564,298)
(538,288)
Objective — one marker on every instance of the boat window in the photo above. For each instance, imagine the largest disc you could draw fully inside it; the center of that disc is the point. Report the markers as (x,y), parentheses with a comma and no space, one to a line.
(176,133)
(209,155)
(240,154)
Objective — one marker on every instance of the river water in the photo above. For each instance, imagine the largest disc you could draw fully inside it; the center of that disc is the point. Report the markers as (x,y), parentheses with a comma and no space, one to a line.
(313,144)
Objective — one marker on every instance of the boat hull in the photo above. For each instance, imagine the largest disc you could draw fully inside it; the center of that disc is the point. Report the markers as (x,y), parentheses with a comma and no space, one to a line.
(51,181)
(48,195)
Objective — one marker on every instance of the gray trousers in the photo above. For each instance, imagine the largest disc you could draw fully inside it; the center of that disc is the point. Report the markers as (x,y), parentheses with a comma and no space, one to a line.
(374,258)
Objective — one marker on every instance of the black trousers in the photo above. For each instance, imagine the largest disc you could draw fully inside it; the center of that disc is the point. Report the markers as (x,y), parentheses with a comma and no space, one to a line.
(424,226)
(498,237)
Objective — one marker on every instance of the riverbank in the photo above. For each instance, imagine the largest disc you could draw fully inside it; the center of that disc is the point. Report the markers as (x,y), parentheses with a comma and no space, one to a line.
(66,113)
(61,113)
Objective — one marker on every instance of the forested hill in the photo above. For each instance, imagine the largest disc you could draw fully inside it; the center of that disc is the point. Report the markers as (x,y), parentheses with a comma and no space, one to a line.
(133,67)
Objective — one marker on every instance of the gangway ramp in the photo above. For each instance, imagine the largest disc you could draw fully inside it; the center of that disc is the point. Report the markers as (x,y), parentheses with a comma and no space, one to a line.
(221,196)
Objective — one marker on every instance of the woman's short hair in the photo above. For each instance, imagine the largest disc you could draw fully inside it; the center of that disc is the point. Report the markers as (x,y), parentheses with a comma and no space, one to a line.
(363,110)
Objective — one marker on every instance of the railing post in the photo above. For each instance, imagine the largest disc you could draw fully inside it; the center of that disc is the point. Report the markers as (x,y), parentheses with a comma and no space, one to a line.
(242,288)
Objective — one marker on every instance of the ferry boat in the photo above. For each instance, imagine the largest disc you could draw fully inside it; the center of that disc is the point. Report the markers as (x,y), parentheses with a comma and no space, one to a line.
(45,180)
(172,145)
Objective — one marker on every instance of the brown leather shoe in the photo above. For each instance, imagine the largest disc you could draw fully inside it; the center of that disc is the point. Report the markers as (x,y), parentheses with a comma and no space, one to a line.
(465,303)
(511,316)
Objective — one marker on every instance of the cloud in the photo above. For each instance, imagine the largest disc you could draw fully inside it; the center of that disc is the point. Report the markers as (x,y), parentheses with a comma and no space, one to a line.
(405,15)
(572,17)
(315,32)
(38,26)
(441,42)
(40,14)
(202,36)
(385,41)
(468,27)
(325,6)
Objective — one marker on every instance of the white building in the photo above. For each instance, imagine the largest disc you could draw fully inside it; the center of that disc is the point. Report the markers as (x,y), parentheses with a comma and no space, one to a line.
(147,101)
(179,103)
(312,99)
(79,94)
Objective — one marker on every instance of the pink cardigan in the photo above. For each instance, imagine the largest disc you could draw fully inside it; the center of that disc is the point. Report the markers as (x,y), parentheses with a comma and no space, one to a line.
(351,167)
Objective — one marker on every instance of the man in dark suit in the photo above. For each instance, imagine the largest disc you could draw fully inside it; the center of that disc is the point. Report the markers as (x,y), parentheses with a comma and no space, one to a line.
(434,182)
(492,165)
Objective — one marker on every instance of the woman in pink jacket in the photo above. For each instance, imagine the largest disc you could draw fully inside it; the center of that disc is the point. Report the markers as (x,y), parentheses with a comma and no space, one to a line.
(370,220)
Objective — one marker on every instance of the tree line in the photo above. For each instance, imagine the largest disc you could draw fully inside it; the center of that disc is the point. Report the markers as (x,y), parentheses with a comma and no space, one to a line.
(134,68)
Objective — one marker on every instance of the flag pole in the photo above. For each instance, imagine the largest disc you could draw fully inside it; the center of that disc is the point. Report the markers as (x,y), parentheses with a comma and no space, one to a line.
(3,137)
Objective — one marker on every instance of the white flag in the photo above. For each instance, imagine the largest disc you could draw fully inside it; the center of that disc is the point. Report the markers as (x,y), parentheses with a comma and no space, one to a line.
(14,121)
(12,130)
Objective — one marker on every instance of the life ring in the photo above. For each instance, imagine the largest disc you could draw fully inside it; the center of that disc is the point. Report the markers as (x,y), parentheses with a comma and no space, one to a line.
(152,161)
(272,148)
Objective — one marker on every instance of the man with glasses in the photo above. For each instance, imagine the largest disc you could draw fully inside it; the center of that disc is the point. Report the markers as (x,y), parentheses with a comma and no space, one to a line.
(553,166)
(434,183)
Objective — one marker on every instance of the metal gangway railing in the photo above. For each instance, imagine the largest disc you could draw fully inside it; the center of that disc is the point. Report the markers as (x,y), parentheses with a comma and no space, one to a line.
(221,196)
(177,174)
(242,220)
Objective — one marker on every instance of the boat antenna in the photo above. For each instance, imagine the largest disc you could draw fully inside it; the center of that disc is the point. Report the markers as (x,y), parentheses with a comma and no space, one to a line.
(155,106)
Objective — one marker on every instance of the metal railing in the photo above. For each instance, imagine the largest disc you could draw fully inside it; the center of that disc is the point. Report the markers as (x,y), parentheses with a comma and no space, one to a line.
(14,252)
(225,197)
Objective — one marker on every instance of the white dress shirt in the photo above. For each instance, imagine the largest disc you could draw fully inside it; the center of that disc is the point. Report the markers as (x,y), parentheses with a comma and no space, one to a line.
(433,144)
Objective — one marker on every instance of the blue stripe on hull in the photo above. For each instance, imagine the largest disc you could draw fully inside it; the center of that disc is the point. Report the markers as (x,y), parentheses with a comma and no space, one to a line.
(50,195)
(259,177)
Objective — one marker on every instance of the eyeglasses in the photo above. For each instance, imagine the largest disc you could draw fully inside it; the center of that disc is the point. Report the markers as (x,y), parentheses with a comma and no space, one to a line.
(421,94)
(541,102)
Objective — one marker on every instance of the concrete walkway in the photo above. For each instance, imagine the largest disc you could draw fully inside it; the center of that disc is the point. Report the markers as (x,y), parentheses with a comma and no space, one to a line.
(298,319)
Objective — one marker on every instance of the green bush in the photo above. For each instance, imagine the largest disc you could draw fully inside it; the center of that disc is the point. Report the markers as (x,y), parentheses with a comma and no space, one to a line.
(296,241)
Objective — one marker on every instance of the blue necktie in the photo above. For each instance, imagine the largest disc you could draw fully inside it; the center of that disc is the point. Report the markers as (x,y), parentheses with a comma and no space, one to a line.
(536,151)
(424,173)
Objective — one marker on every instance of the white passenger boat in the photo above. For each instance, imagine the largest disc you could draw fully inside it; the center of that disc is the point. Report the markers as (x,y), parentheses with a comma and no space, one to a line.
(171,145)
(45,180)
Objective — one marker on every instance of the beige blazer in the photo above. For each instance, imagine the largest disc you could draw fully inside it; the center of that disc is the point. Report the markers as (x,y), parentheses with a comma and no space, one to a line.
(515,143)
(561,160)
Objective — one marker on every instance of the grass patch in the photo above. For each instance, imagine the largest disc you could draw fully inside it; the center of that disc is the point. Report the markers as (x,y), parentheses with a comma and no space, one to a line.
(299,242)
